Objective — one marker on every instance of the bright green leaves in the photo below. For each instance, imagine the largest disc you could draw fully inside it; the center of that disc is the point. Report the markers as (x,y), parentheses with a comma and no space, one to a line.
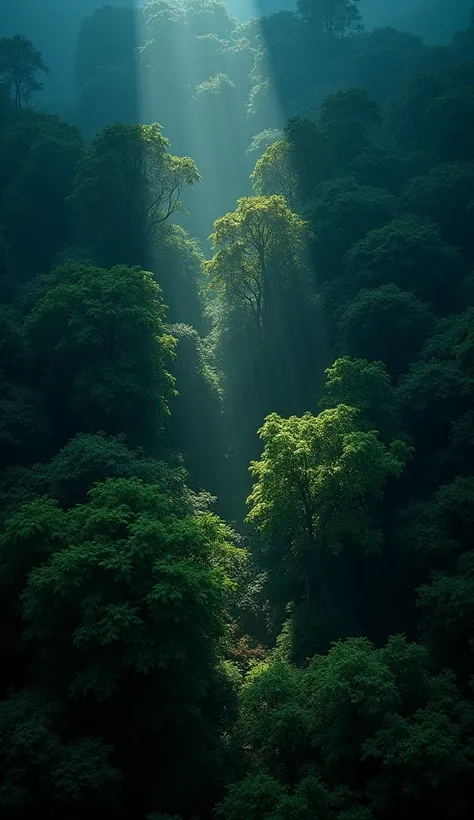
(217,85)
(355,731)
(349,692)
(367,386)
(274,174)
(260,249)
(122,584)
(272,722)
(319,478)
(254,797)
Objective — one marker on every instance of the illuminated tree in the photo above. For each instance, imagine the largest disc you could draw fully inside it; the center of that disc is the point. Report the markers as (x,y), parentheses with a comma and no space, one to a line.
(317,481)
(260,249)
(274,173)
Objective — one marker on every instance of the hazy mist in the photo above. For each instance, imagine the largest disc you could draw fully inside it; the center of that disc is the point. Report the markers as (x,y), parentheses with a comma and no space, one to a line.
(434,20)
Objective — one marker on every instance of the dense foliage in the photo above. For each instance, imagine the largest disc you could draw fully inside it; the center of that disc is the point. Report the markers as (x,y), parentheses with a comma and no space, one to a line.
(237,419)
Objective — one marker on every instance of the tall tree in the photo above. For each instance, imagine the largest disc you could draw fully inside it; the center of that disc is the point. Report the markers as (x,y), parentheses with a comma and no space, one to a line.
(126,188)
(20,64)
(38,161)
(101,352)
(337,17)
(317,482)
(260,249)
(123,597)
(274,173)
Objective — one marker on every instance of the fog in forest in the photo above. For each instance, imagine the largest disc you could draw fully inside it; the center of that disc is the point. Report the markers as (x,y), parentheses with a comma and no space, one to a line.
(434,20)
(236,410)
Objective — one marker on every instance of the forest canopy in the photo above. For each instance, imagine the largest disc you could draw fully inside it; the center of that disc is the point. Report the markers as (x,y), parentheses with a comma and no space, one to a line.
(236,411)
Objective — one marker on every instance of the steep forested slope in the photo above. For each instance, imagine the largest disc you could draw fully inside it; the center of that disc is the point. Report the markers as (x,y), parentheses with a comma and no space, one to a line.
(236,568)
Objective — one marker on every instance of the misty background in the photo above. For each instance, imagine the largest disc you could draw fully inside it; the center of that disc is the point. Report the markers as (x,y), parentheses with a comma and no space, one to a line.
(41,20)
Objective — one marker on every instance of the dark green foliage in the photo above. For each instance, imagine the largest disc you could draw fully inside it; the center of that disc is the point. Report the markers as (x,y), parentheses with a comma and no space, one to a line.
(178,270)
(342,212)
(126,187)
(91,458)
(108,39)
(100,351)
(138,587)
(7,283)
(445,196)
(195,426)
(442,377)
(150,667)
(20,414)
(348,709)
(333,17)
(410,254)
(308,154)
(106,68)
(388,56)
(38,159)
(20,63)
(347,119)
(41,771)
(385,324)
(378,167)
(115,539)
(447,604)
(436,531)
(434,111)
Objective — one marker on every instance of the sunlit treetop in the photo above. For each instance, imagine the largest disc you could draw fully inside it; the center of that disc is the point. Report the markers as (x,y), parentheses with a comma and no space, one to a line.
(367,386)
(318,479)
(274,173)
(202,16)
(259,248)
(209,16)
(215,85)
